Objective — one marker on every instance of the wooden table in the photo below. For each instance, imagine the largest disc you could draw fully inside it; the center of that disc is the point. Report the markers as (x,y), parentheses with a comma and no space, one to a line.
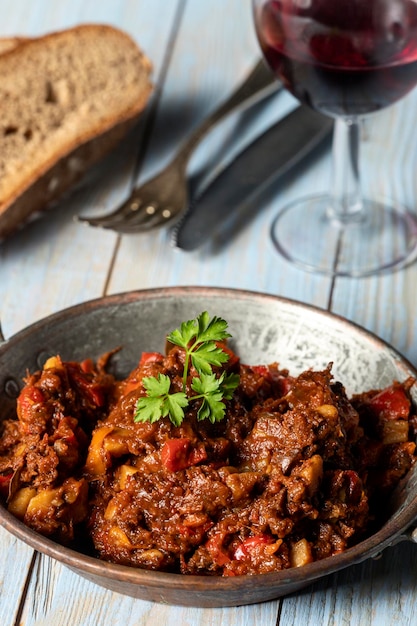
(200,50)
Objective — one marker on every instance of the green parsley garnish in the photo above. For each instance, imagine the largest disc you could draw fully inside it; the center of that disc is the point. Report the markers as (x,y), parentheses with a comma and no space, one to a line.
(199,339)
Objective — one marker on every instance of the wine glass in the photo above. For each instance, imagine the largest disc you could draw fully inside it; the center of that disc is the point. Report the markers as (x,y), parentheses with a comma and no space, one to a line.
(346,59)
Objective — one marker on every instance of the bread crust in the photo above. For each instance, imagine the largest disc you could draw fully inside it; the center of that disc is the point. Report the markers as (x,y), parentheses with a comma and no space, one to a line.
(50,177)
(10,43)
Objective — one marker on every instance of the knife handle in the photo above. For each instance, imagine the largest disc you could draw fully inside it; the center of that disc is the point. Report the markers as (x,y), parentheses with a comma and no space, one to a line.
(269,156)
(253,88)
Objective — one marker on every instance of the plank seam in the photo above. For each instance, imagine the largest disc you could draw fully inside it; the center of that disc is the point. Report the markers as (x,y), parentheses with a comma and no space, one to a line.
(279,612)
(158,91)
(22,601)
(150,122)
(111,265)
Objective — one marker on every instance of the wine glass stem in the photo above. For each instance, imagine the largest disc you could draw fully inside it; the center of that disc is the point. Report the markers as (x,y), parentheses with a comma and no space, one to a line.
(347,205)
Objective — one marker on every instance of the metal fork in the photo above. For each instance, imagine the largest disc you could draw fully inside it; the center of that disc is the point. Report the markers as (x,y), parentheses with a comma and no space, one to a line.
(163,198)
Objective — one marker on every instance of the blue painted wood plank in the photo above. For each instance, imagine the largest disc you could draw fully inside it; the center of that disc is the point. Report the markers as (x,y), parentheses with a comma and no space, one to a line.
(58,596)
(377,593)
(57,262)
(57,244)
(386,305)
(198,78)
(15,564)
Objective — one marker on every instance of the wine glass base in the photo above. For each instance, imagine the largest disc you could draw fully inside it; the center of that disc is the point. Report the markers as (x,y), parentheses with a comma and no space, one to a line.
(383,238)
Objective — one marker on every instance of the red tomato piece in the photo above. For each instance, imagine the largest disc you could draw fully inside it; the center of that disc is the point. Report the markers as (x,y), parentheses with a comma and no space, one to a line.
(250,545)
(28,397)
(391,403)
(96,393)
(87,366)
(174,454)
(5,480)
(263,371)
(150,357)
(353,487)
(93,392)
(178,454)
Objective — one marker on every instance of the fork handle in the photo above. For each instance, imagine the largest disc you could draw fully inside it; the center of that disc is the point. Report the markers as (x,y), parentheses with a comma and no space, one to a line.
(252,87)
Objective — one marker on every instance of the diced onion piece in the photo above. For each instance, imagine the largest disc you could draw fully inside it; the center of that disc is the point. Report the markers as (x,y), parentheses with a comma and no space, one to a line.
(19,503)
(312,472)
(115,443)
(394,431)
(96,461)
(119,537)
(241,484)
(151,555)
(329,411)
(300,553)
(43,501)
(73,490)
(54,362)
(111,510)
(123,474)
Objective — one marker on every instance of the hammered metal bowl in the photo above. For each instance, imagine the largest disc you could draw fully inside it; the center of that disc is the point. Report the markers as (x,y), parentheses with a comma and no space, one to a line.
(265,329)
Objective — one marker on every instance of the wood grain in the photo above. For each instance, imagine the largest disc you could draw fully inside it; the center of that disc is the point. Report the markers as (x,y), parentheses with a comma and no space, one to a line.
(200,52)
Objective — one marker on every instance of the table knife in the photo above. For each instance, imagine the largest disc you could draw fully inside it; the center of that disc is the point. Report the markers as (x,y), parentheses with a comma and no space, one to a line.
(267,158)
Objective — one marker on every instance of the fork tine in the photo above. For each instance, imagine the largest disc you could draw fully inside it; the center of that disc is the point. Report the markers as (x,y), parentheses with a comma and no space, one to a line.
(148,212)
(169,185)
(133,216)
(123,212)
(142,222)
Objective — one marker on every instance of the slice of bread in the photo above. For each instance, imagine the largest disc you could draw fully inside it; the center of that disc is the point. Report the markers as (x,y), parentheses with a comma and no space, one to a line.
(9,43)
(67,99)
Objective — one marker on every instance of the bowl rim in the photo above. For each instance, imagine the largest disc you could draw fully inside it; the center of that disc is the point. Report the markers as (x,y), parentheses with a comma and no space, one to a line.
(393,531)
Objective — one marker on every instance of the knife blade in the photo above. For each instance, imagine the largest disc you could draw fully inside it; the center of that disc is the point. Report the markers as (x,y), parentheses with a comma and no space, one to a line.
(267,158)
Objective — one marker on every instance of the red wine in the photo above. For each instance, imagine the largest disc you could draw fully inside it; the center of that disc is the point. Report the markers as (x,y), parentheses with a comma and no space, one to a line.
(344,57)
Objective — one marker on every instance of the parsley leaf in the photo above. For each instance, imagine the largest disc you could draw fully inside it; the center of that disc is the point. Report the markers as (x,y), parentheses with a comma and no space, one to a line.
(211,330)
(182,336)
(159,402)
(229,385)
(208,354)
(199,339)
(210,389)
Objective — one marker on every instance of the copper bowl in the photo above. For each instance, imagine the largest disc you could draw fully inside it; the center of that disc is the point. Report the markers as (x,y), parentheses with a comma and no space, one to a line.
(265,329)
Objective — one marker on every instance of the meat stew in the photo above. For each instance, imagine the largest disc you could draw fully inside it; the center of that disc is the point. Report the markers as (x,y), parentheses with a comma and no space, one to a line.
(294,473)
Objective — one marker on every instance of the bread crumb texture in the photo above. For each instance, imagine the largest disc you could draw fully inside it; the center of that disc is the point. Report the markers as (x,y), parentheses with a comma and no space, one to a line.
(62,90)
